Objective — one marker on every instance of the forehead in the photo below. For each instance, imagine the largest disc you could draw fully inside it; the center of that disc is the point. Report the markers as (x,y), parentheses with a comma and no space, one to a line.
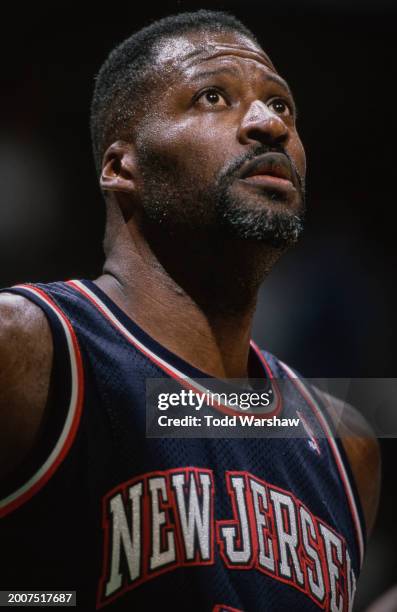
(186,51)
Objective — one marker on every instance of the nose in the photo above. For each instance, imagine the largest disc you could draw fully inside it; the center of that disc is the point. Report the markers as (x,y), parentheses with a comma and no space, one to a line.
(261,124)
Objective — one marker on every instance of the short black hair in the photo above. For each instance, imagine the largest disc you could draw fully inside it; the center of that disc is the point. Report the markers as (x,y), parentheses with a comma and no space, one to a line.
(122,77)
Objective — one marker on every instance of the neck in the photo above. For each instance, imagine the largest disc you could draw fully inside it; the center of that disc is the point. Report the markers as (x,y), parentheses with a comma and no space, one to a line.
(195,295)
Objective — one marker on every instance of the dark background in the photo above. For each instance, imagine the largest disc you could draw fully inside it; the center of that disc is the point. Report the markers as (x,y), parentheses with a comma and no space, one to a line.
(328,308)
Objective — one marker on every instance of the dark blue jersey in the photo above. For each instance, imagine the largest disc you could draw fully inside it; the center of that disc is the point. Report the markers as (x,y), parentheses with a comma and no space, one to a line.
(135,523)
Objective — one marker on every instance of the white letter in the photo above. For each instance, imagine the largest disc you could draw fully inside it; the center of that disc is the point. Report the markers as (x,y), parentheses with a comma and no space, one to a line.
(288,540)
(162,403)
(194,519)
(316,585)
(159,557)
(229,534)
(122,535)
(266,559)
(331,541)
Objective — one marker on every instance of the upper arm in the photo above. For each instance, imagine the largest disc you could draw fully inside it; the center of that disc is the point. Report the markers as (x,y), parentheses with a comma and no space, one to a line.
(362,450)
(25,368)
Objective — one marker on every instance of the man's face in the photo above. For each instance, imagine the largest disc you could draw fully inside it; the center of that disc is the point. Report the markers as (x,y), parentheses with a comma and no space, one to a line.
(218,148)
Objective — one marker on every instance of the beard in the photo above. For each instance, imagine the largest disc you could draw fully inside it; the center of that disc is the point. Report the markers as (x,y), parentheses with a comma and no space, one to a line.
(180,204)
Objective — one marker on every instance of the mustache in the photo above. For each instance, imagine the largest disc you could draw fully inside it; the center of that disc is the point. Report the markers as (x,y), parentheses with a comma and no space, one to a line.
(235,166)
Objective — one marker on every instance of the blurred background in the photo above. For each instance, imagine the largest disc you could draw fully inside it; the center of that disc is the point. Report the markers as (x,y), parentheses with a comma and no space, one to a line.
(328,308)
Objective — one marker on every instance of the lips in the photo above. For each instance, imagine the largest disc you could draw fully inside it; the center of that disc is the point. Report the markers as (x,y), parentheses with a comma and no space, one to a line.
(268,165)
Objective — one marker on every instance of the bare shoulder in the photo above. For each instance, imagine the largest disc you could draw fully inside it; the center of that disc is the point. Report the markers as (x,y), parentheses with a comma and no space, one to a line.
(362,450)
(25,368)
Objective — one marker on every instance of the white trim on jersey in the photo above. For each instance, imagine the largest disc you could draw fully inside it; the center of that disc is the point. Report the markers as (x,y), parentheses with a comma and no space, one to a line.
(162,363)
(311,400)
(65,440)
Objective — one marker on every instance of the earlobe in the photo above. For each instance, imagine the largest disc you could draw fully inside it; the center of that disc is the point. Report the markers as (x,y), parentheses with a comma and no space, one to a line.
(119,168)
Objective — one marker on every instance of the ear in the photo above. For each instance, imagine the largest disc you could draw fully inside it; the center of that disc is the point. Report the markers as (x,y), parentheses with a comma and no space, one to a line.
(119,168)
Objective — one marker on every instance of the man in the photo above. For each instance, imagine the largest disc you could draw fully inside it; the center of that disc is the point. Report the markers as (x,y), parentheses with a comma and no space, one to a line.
(202,170)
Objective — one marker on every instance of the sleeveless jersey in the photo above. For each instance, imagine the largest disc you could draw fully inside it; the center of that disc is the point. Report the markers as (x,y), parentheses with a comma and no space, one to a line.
(136,523)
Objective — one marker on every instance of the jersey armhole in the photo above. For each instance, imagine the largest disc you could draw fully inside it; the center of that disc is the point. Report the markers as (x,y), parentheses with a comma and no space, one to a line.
(345,461)
(63,411)
(339,456)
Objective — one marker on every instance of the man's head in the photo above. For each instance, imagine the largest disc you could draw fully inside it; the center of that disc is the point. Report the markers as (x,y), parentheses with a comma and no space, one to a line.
(192,123)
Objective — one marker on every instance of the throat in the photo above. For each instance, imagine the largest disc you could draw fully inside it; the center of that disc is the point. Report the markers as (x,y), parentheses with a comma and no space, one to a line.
(195,296)
(220,274)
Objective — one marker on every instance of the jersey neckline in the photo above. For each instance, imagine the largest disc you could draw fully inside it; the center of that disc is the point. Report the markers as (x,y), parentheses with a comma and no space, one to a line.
(172,364)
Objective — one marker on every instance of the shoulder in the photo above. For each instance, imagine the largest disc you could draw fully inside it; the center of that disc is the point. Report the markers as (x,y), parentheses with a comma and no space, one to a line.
(20,316)
(362,450)
(25,366)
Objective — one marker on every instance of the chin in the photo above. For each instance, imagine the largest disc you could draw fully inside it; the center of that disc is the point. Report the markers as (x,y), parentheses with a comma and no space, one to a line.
(255,198)
(266,220)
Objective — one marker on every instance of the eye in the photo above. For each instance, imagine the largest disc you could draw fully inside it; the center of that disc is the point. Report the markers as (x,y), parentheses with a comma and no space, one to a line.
(280,106)
(212,98)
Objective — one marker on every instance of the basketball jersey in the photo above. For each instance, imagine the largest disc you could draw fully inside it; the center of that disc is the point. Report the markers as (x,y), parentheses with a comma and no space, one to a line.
(137,523)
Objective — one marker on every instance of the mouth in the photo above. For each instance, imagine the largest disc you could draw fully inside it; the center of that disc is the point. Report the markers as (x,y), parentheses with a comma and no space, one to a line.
(272,170)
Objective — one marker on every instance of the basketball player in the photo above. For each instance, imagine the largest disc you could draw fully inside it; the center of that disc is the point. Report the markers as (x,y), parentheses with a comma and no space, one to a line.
(202,172)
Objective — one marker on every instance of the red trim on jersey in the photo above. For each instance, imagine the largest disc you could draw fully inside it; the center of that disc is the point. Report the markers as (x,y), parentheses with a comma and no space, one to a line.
(338,459)
(76,408)
(223,608)
(180,560)
(172,371)
(276,575)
